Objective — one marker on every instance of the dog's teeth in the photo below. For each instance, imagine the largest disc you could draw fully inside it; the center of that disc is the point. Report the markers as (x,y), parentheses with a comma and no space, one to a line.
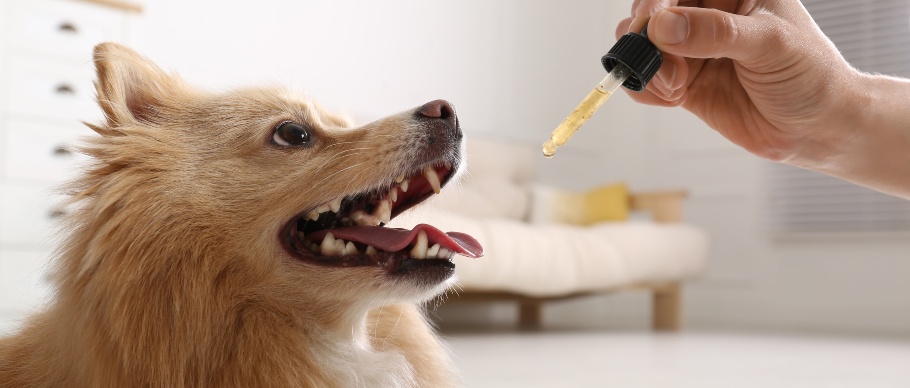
(450,255)
(313,215)
(327,248)
(433,252)
(399,179)
(300,235)
(443,253)
(350,249)
(420,248)
(447,164)
(383,212)
(363,219)
(371,250)
(335,205)
(324,208)
(393,194)
(339,247)
(433,178)
(314,248)
(360,217)
(404,185)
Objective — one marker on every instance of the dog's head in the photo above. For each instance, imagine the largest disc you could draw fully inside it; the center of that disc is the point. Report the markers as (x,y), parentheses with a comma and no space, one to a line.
(264,191)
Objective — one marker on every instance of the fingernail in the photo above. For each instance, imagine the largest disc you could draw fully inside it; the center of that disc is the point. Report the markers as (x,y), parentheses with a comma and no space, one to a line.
(672,28)
(667,75)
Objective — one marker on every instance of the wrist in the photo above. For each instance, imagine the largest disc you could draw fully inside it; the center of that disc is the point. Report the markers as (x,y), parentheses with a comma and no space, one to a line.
(870,134)
(833,132)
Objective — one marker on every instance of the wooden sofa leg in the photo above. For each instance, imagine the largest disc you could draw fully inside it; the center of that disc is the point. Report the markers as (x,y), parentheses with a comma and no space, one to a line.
(530,314)
(667,308)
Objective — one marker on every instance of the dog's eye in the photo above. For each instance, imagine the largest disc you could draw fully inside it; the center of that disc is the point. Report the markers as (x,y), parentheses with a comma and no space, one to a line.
(291,134)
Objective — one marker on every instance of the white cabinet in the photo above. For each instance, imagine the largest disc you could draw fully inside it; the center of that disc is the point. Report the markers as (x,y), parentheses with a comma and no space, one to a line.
(46,91)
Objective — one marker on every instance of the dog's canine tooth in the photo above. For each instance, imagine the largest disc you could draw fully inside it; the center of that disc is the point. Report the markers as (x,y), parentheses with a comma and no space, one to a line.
(433,251)
(420,248)
(327,247)
(399,178)
(371,250)
(335,205)
(393,194)
(383,212)
(350,249)
(404,185)
(433,178)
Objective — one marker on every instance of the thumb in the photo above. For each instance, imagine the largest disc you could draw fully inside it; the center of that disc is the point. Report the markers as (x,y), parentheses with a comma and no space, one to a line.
(710,33)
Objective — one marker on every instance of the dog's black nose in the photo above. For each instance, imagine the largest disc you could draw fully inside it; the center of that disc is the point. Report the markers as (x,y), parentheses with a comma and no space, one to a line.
(442,110)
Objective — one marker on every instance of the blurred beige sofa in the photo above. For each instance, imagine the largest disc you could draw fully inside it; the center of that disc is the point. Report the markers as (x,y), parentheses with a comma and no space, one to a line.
(531,259)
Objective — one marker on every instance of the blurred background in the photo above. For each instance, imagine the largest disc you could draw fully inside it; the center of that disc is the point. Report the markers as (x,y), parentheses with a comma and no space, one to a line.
(805,280)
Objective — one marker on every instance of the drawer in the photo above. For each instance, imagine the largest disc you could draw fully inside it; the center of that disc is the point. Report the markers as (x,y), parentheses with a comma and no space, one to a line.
(62,29)
(40,88)
(44,153)
(29,216)
(24,279)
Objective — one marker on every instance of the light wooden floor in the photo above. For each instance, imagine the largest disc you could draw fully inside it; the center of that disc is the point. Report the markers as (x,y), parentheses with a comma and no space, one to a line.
(611,359)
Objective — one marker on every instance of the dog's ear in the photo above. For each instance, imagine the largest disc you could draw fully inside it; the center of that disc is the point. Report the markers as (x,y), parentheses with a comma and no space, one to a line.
(131,89)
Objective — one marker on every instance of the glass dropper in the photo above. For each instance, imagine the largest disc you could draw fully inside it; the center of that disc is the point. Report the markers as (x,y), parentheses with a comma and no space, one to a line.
(632,62)
(586,109)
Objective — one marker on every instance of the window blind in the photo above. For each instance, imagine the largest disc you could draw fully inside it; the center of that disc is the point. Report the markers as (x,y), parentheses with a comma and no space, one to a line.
(874,36)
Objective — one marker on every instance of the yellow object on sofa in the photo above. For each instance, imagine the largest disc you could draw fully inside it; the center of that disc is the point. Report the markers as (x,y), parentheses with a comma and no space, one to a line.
(600,204)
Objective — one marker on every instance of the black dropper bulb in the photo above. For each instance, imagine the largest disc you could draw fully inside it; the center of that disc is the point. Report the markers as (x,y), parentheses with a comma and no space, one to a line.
(637,53)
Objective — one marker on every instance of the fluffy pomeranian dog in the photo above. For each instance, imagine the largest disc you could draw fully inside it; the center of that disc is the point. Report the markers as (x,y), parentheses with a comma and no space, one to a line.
(237,239)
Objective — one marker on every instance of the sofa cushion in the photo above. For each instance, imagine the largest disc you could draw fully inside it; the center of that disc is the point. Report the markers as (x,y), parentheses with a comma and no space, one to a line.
(555,259)
(600,204)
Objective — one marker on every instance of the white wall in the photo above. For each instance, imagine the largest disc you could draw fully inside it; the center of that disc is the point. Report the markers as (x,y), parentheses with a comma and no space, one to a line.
(367,58)
(845,283)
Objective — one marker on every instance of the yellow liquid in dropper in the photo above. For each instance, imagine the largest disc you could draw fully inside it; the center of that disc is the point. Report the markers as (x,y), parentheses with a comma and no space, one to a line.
(585,109)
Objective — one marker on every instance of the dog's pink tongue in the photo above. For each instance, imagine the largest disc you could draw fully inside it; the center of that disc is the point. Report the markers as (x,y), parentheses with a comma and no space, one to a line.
(394,239)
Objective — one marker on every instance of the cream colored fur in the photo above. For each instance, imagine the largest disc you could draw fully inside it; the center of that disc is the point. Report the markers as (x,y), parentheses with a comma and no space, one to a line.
(171,274)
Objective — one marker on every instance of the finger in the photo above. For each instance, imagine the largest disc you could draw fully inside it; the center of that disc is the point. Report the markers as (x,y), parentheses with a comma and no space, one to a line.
(673,72)
(642,11)
(663,92)
(623,27)
(710,33)
(649,98)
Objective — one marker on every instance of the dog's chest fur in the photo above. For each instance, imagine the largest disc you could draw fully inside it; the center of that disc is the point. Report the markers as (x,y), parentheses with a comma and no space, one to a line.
(361,366)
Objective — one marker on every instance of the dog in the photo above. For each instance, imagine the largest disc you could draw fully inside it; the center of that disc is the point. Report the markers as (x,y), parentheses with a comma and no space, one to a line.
(238,239)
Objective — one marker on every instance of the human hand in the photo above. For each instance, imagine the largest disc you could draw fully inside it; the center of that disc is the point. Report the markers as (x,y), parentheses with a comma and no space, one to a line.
(759,72)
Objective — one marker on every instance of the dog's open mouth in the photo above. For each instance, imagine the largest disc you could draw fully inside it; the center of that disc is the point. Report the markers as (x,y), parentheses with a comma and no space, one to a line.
(350,231)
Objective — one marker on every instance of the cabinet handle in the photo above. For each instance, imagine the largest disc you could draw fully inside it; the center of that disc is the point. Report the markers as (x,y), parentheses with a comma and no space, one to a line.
(56,213)
(68,27)
(65,89)
(62,151)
